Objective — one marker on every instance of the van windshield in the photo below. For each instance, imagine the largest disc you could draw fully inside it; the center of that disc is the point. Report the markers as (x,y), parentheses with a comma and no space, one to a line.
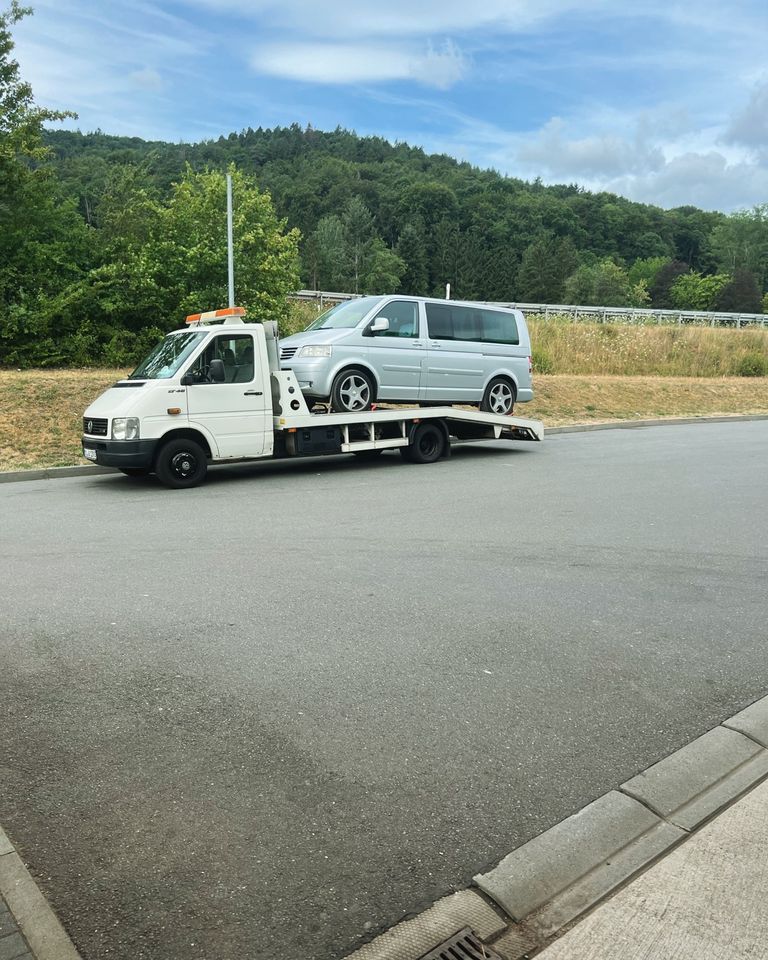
(168,356)
(345,315)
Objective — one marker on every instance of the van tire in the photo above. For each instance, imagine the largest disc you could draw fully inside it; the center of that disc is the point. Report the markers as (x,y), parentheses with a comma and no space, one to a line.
(181,463)
(352,391)
(499,397)
(427,444)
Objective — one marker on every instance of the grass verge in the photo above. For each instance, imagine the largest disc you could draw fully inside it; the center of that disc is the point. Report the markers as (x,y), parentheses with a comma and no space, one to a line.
(41,410)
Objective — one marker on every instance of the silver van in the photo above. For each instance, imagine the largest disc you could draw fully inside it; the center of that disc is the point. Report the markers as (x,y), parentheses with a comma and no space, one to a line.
(413,350)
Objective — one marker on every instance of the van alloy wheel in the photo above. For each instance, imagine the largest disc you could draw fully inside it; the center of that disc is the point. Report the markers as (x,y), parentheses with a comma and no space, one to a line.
(499,397)
(352,392)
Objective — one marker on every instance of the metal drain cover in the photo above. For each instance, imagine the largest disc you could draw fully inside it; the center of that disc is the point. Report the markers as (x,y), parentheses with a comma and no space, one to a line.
(463,945)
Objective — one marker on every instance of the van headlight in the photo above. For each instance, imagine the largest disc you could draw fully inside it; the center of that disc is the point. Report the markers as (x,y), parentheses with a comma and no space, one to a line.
(316,350)
(125,428)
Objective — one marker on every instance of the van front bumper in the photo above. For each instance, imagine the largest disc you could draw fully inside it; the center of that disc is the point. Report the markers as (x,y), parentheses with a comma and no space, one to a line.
(135,454)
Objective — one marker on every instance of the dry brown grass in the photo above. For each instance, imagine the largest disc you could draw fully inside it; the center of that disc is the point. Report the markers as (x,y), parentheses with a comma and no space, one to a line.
(41,411)
(564,346)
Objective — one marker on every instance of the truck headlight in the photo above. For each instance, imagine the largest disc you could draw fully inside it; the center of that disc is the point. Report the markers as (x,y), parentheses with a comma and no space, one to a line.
(125,428)
(316,350)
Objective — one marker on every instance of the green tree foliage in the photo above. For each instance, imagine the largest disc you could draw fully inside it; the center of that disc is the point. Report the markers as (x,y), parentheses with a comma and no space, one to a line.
(694,291)
(646,269)
(605,284)
(660,288)
(740,243)
(740,295)
(546,265)
(44,243)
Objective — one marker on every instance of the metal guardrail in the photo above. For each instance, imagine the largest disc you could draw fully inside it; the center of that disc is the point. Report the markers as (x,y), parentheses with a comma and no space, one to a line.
(601,314)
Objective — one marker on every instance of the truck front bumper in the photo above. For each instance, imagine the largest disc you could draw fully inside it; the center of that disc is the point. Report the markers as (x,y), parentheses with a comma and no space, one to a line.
(133,454)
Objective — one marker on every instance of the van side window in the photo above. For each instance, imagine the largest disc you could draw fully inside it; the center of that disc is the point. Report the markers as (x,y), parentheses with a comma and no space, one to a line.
(456,322)
(403,316)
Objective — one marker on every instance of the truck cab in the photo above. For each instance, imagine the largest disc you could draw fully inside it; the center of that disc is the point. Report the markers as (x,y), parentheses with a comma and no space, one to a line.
(205,385)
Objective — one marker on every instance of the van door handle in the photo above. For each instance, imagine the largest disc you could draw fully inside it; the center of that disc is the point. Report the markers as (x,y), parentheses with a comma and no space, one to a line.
(252,393)
(434,343)
(417,343)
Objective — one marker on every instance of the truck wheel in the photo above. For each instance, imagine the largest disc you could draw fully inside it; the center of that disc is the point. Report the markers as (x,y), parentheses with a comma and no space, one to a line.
(427,444)
(499,397)
(134,471)
(352,392)
(181,463)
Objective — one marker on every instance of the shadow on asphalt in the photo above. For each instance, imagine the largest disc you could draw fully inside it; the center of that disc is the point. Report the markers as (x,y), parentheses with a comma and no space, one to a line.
(326,466)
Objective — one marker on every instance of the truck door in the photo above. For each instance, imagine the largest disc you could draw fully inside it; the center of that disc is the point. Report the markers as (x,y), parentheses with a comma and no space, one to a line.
(237,412)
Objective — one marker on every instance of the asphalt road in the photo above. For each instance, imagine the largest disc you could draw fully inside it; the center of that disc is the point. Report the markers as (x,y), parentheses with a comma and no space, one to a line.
(268,717)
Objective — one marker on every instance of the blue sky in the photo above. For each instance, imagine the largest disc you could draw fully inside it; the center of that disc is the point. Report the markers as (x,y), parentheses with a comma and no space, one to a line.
(662,102)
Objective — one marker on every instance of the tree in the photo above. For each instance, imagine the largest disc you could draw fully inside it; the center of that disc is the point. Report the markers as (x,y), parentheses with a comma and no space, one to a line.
(545,266)
(328,250)
(412,250)
(693,291)
(604,284)
(44,244)
(646,269)
(359,234)
(382,268)
(740,243)
(187,256)
(740,295)
(661,287)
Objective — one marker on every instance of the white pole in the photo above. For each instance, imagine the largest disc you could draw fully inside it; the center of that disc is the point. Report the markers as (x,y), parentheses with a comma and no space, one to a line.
(230,245)
(447,291)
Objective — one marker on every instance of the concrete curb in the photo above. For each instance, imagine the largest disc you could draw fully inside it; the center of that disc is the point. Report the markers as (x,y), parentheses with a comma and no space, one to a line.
(52,473)
(30,910)
(63,473)
(660,422)
(554,879)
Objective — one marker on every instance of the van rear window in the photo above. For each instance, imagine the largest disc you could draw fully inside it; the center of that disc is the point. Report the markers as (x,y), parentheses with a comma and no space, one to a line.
(448,321)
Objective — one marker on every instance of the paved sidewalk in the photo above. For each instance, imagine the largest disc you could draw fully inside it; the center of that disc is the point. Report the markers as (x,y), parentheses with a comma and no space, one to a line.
(706,900)
(13,946)
(28,928)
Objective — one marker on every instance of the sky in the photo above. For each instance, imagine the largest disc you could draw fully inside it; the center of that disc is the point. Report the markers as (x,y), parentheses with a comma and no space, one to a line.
(661,102)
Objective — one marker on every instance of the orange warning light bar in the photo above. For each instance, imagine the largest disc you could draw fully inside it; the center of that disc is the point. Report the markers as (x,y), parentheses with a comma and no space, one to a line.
(216,314)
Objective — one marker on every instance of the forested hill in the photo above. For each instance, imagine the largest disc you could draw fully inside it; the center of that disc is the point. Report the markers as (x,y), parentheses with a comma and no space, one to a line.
(373,215)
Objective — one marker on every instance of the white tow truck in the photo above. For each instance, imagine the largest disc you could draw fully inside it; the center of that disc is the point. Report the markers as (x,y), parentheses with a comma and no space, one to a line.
(213,392)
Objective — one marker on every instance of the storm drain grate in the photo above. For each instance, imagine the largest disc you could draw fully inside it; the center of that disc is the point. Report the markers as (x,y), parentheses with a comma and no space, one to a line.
(463,945)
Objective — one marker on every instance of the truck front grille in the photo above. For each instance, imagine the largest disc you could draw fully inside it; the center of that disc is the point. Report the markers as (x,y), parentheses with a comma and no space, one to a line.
(95,426)
(287,352)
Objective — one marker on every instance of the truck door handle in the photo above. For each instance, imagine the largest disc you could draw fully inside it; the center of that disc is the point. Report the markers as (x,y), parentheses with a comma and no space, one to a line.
(252,393)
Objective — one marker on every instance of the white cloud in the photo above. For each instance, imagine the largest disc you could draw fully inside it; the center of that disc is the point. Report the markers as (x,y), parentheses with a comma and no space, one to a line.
(750,125)
(148,79)
(337,63)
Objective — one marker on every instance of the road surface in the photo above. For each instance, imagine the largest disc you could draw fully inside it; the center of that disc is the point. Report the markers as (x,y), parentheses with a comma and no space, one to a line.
(268,717)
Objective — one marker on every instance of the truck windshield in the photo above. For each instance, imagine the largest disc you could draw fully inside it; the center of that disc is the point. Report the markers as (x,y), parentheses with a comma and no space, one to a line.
(345,315)
(168,356)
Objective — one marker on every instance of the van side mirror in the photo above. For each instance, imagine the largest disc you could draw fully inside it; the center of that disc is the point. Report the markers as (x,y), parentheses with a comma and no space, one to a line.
(379,325)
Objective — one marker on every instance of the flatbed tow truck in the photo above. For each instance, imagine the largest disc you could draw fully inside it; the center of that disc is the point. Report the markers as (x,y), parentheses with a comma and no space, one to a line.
(213,392)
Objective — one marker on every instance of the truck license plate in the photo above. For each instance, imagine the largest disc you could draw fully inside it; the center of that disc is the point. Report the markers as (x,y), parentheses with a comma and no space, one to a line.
(89,454)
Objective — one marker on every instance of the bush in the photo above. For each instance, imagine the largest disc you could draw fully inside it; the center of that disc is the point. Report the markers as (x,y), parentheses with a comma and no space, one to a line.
(752,365)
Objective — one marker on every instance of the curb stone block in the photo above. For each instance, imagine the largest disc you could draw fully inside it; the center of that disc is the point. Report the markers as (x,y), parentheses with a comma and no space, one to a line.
(556,876)
(701,778)
(753,722)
